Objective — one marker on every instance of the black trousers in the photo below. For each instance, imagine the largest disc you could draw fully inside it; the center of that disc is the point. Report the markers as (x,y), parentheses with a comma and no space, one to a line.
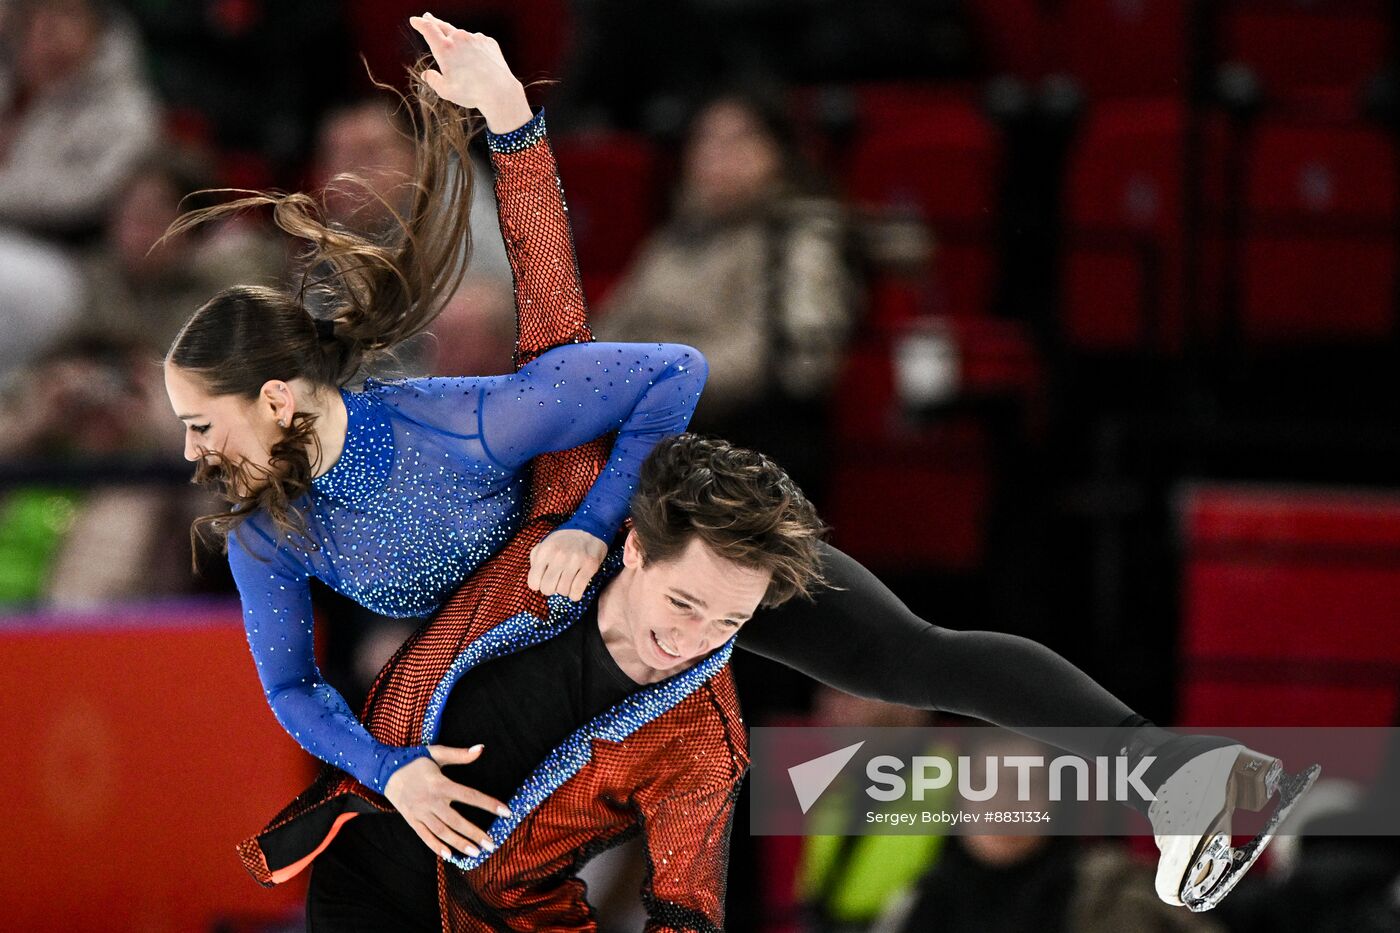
(857,636)
(376,876)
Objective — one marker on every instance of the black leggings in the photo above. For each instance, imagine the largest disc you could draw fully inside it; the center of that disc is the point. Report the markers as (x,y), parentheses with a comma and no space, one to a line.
(862,639)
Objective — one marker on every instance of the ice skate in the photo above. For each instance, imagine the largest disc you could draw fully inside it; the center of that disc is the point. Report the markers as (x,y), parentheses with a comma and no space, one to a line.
(1191,821)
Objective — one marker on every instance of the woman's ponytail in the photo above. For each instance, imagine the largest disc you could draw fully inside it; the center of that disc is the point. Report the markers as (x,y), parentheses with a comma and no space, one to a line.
(371,294)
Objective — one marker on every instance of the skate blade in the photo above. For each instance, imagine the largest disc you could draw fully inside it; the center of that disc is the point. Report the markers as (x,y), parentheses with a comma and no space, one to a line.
(1220,867)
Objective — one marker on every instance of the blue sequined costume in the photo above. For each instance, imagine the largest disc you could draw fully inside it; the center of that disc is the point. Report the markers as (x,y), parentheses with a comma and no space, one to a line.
(428,485)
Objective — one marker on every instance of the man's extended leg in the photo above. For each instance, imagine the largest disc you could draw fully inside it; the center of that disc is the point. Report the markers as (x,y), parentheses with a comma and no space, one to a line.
(859,637)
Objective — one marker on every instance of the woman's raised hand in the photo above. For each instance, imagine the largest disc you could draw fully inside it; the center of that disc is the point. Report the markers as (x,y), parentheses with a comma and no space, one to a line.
(472,72)
(423,795)
(565,561)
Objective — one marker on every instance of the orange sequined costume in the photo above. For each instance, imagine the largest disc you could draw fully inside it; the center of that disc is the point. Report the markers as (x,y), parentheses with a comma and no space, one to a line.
(666,761)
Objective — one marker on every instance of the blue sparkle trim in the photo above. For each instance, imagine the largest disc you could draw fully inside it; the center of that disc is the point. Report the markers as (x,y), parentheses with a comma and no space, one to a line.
(519,139)
(613,725)
(518,632)
(367,458)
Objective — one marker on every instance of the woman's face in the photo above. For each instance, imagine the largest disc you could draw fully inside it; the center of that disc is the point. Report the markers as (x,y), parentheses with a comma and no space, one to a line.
(240,429)
(730,161)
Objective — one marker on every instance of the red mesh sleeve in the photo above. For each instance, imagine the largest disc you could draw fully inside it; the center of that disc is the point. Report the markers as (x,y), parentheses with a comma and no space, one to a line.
(549,306)
(549,303)
(687,847)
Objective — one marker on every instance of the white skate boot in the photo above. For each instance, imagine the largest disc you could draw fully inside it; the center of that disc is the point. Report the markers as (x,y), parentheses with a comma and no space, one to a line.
(1191,821)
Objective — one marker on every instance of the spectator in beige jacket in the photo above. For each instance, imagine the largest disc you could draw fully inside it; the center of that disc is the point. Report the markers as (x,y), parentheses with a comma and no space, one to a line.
(751,269)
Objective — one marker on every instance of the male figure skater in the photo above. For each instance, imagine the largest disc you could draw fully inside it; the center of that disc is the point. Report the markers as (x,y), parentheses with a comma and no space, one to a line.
(600,719)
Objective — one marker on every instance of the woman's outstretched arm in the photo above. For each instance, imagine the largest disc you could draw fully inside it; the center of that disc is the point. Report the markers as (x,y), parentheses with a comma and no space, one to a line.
(277,618)
(549,301)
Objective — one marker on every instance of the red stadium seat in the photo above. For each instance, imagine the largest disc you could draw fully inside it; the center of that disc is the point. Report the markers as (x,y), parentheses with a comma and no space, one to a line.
(1291,607)
(937,519)
(1298,48)
(939,161)
(1012,36)
(1230,700)
(1123,48)
(940,471)
(1125,243)
(1320,243)
(940,466)
(934,154)
(612,185)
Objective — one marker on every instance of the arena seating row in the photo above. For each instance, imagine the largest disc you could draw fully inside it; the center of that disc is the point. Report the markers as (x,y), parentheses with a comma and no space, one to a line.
(1114,48)
(1291,607)
(1297,223)
(1127,48)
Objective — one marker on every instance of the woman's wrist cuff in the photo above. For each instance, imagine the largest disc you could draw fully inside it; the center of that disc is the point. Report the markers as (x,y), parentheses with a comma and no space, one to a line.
(517,139)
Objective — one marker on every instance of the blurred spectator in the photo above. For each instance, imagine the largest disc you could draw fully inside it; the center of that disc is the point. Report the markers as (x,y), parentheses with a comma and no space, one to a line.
(146,291)
(41,293)
(371,141)
(89,398)
(78,114)
(752,270)
(847,882)
(92,400)
(75,115)
(1051,884)
(252,77)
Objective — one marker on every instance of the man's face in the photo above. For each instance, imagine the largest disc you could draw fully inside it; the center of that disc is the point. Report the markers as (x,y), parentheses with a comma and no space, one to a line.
(677,611)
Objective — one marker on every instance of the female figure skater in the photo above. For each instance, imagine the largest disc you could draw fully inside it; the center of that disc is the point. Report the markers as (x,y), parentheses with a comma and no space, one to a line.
(394,495)
(414,483)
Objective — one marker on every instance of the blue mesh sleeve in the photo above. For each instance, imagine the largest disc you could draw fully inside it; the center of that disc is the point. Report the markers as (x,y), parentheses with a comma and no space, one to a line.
(277,618)
(573,393)
(577,392)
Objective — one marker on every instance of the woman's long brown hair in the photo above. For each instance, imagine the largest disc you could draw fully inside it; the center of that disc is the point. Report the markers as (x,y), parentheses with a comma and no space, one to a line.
(379,294)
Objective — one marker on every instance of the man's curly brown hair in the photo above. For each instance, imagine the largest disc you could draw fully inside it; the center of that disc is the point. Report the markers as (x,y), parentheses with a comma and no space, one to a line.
(738,502)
